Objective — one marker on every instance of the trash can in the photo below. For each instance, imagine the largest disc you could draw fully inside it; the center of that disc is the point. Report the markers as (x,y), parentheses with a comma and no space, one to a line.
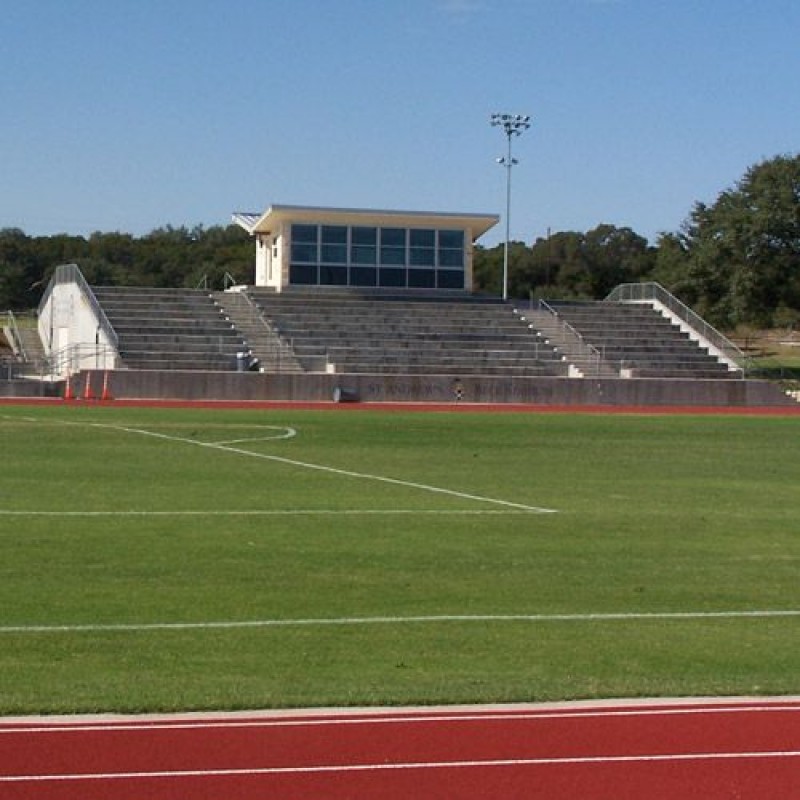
(344,395)
(242,361)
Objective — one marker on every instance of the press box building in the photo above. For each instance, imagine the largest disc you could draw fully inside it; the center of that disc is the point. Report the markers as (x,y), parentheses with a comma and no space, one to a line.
(324,247)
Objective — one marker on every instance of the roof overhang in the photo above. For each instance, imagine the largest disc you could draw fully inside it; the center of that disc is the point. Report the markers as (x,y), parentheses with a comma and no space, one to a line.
(275,216)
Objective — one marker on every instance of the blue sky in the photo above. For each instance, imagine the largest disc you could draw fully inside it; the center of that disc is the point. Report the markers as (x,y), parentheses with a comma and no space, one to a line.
(128,115)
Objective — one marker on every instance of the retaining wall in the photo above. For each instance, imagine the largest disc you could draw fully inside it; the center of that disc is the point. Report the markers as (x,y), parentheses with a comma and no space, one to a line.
(235,386)
(22,387)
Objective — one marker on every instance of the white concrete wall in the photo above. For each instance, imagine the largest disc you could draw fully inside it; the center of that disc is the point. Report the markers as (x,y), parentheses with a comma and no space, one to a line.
(262,260)
(270,269)
(280,266)
(71,332)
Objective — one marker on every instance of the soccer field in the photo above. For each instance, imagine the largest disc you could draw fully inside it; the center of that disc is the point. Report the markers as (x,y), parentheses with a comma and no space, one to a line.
(175,559)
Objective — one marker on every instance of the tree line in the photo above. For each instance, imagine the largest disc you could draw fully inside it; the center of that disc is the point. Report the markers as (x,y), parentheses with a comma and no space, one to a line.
(736,261)
(165,258)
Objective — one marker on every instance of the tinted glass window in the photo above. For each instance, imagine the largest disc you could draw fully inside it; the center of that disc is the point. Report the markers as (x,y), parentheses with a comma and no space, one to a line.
(422,238)
(332,276)
(421,278)
(393,255)
(451,258)
(334,253)
(449,279)
(371,256)
(394,237)
(304,233)
(364,235)
(302,274)
(304,252)
(422,256)
(334,234)
(363,276)
(363,254)
(451,249)
(451,239)
(392,277)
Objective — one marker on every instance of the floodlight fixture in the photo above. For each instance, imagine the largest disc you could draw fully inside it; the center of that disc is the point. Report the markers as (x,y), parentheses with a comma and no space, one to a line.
(512,125)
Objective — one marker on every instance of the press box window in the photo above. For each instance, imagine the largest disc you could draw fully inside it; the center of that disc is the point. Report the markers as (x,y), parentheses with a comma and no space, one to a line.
(393,246)
(305,240)
(363,246)
(422,248)
(334,244)
(451,249)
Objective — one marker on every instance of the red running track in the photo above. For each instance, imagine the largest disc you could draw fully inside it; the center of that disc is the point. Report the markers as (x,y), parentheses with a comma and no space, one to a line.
(709,750)
(788,410)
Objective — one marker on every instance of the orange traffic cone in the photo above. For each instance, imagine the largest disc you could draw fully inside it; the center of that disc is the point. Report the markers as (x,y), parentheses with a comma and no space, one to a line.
(68,393)
(106,394)
(87,391)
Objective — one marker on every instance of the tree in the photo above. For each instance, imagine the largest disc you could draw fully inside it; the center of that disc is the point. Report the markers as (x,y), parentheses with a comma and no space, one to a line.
(487,269)
(742,254)
(18,271)
(561,266)
(614,256)
(570,264)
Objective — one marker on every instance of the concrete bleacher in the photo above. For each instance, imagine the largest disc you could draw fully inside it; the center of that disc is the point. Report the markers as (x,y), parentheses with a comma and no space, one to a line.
(638,341)
(355,332)
(170,329)
(374,346)
(368,332)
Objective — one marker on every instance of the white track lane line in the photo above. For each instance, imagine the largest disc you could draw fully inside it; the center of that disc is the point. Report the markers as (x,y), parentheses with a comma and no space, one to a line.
(421,765)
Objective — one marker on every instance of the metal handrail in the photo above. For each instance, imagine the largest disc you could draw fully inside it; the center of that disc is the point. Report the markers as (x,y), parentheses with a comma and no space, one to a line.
(585,348)
(654,292)
(12,324)
(278,350)
(70,359)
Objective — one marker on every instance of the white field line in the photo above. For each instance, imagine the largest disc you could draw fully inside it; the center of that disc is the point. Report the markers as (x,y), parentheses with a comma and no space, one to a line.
(419,765)
(215,720)
(265,512)
(397,620)
(286,433)
(226,448)
(283,431)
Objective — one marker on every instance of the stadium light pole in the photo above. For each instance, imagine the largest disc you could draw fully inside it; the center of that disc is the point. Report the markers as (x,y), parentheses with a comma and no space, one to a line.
(512,125)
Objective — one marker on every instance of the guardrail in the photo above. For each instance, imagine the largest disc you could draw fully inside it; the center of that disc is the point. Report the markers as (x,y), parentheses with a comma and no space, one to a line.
(10,368)
(17,345)
(585,350)
(654,292)
(276,355)
(75,357)
(227,281)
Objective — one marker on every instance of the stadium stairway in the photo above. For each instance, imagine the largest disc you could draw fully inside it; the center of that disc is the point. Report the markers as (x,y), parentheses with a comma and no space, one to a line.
(264,344)
(629,340)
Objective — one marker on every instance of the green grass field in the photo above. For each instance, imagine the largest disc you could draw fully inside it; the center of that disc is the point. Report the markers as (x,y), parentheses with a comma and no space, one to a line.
(158,559)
